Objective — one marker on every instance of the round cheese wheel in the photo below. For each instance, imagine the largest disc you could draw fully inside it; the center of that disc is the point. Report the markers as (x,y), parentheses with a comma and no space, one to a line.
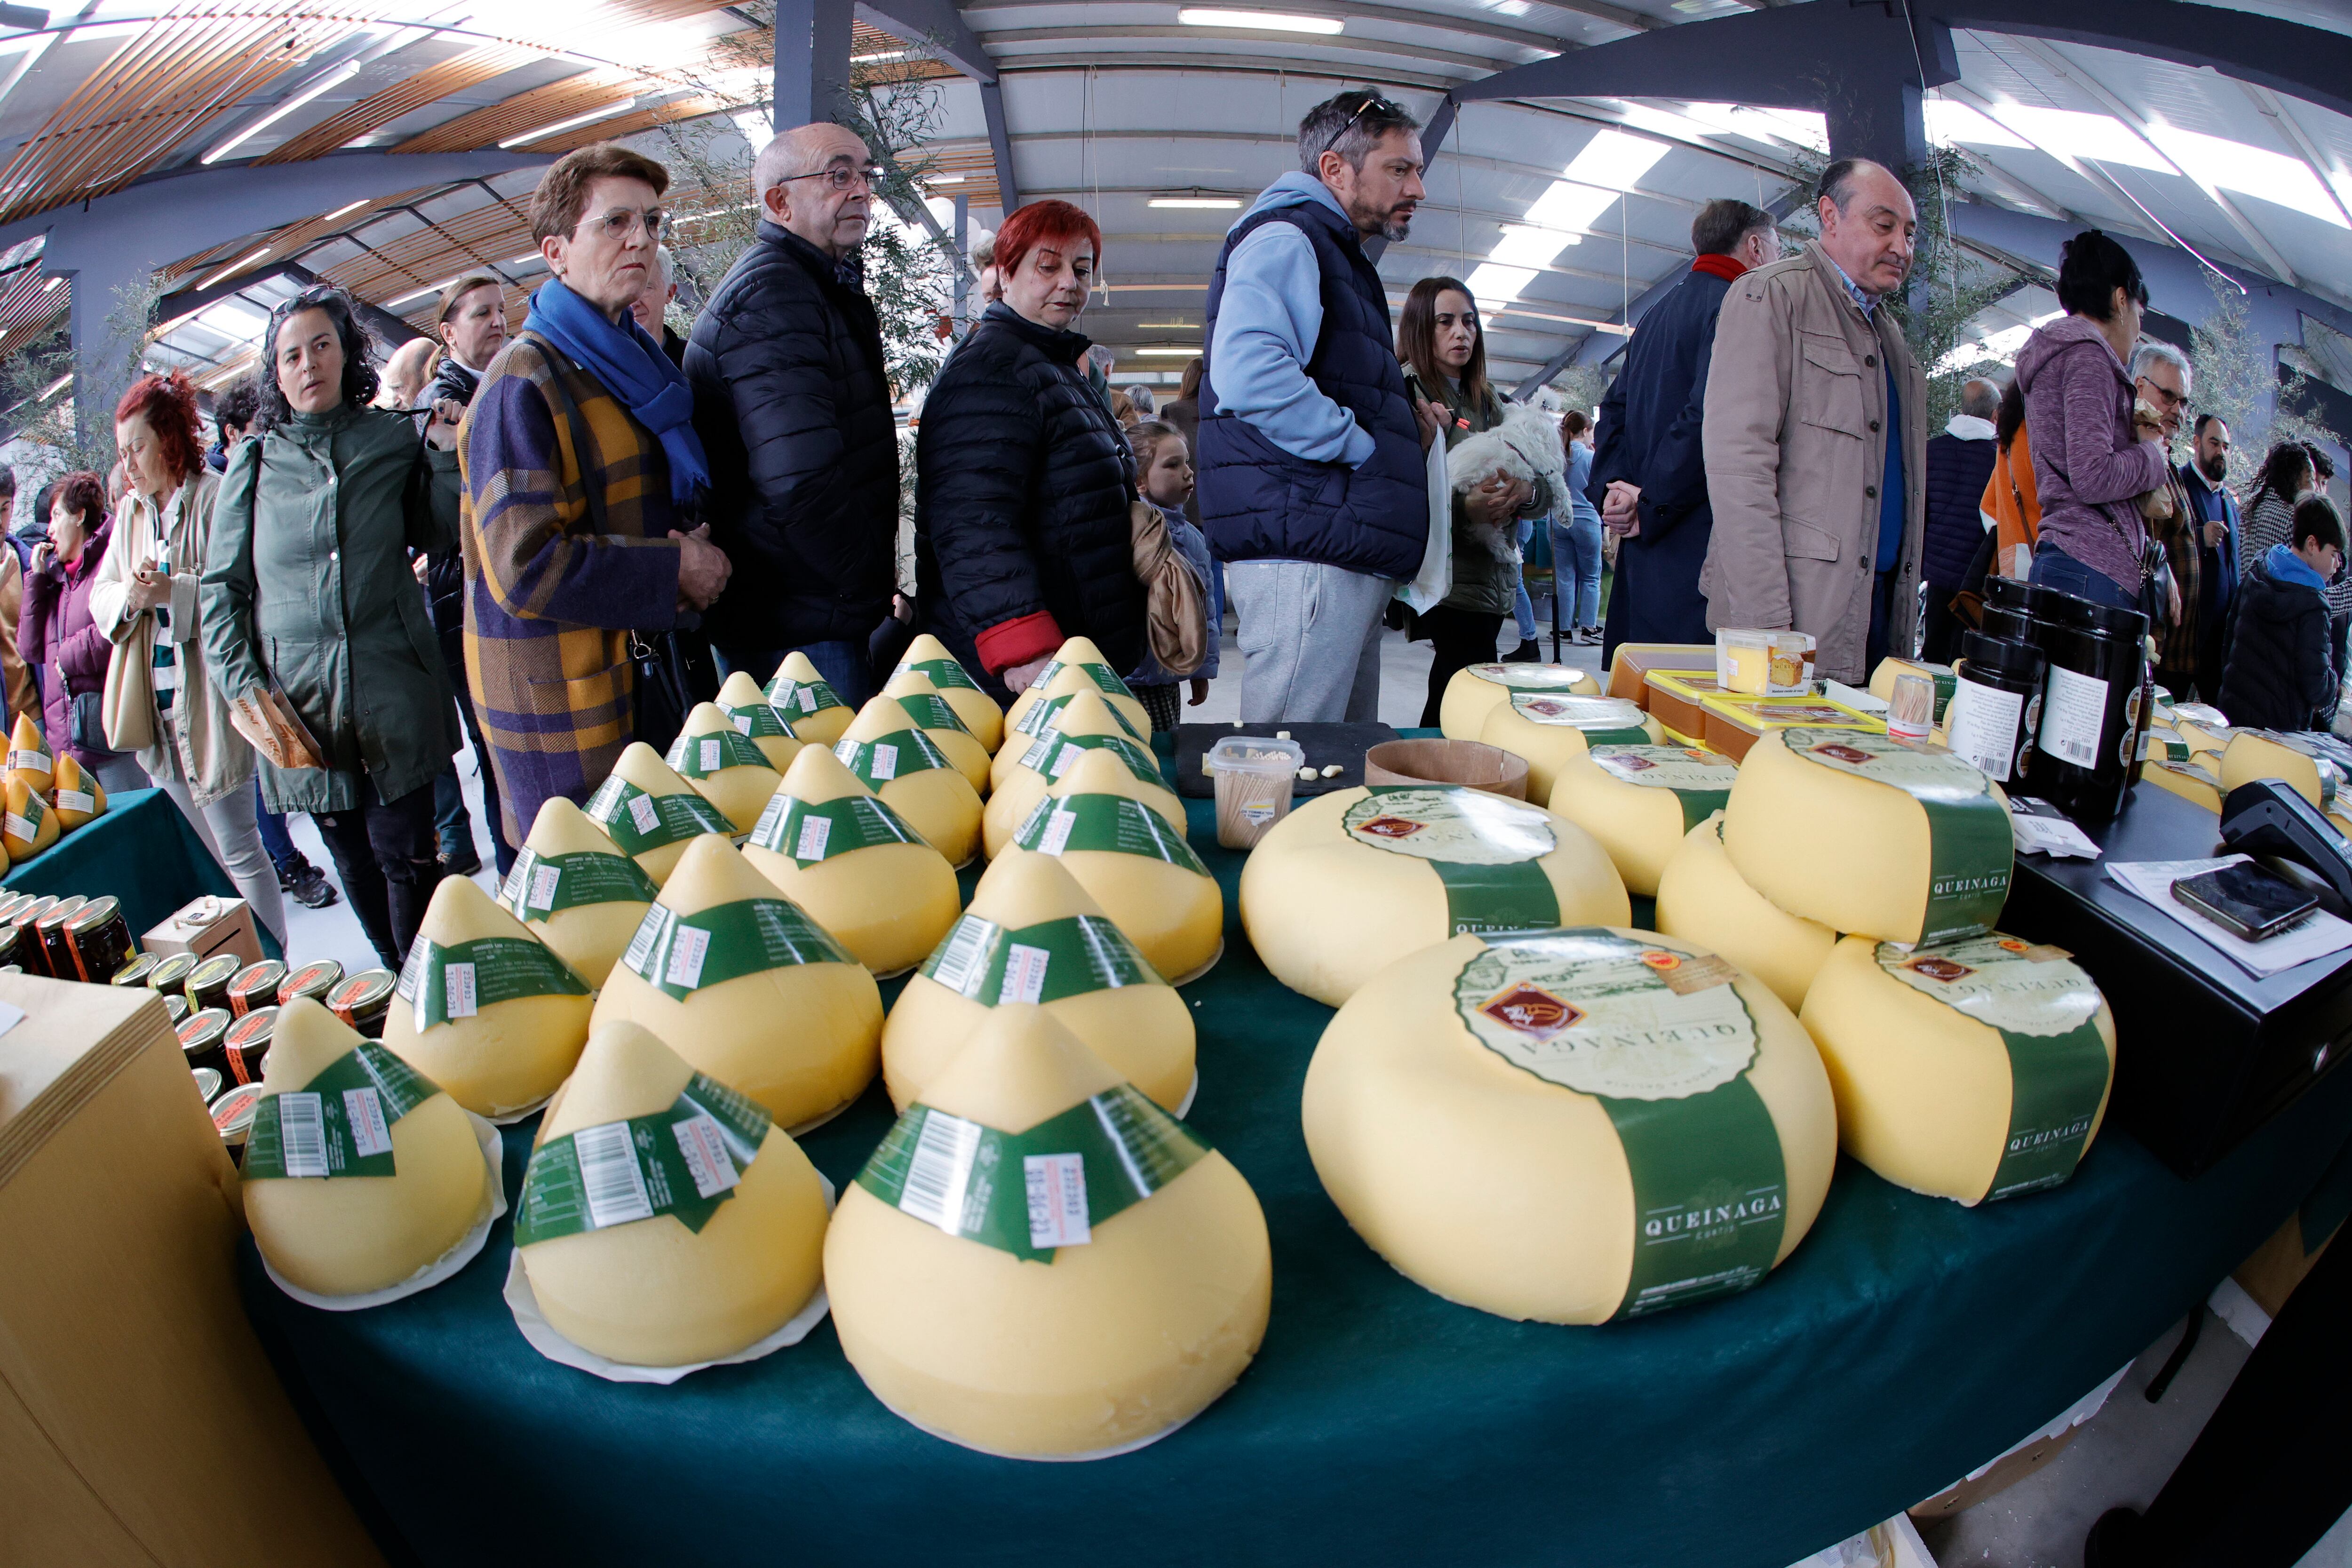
(980,715)
(855,865)
(348,1235)
(736,979)
(1640,802)
(1095,819)
(892,757)
(2293,760)
(1082,724)
(808,701)
(725,766)
(1079,660)
(577,893)
(650,812)
(483,1008)
(658,1291)
(1571,1126)
(1865,832)
(935,717)
(747,708)
(1478,691)
(28,757)
(1137,1314)
(1970,1070)
(1552,730)
(77,796)
(1701,899)
(1033,937)
(30,825)
(1350,882)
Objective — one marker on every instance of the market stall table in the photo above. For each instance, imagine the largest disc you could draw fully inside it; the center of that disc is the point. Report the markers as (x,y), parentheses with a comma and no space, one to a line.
(1906,1341)
(144,852)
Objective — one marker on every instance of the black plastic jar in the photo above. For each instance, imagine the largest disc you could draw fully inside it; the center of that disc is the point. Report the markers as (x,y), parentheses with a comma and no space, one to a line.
(2093,704)
(1996,709)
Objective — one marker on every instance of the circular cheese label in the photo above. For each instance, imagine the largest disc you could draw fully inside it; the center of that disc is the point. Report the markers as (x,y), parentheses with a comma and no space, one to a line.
(1537,677)
(1578,712)
(1667,767)
(1459,824)
(1598,1013)
(2012,985)
(1913,766)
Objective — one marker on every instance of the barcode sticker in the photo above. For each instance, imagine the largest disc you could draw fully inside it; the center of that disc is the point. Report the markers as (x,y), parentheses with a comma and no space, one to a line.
(1039,750)
(1056,837)
(709,756)
(76,800)
(615,1188)
(965,950)
(370,1133)
(1024,975)
(643,812)
(543,880)
(885,762)
(302,1130)
(457,986)
(686,955)
(1057,1199)
(939,1170)
(704,1148)
(649,931)
(807,698)
(814,831)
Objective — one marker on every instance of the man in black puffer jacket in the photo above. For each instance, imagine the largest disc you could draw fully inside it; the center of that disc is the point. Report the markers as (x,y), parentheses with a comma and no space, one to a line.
(792,404)
(2281,670)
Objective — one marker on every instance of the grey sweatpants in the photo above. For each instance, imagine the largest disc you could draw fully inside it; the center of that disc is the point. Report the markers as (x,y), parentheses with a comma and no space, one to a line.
(1310,640)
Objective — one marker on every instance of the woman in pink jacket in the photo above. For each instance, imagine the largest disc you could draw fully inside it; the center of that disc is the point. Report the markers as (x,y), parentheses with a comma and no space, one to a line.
(55,633)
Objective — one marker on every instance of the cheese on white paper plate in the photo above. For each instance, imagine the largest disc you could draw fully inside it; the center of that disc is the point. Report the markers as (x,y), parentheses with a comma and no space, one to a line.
(1107,1282)
(1571,1126)
(807,700)
(1641,801)
(1550,732)
(1701,899)
(1083,723)
(893,757)
(1106,830)
(650,812)
(930,710)
(725,766)
(1479,689)
(747,709)
(980,715)
(577,891)
(1079,656)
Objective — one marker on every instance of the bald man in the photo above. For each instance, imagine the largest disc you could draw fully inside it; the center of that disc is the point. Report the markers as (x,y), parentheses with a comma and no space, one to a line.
(792,403)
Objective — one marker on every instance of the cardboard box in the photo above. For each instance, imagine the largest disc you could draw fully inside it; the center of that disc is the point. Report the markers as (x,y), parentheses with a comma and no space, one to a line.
(139,1421)
(2004,1473)
(2278,1266)
(206,926)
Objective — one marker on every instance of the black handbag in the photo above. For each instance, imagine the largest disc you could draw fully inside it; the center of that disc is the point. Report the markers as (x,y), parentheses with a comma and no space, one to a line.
(86,720)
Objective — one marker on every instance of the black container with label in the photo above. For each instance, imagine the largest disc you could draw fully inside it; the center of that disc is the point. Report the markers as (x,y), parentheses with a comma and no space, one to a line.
(2092,707)
(1996,707)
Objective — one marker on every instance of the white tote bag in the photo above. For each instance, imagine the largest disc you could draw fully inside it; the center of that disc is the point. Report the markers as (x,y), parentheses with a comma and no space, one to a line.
(1435,580)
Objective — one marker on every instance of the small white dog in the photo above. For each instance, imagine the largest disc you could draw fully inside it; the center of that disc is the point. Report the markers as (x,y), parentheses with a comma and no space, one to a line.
(1525,445)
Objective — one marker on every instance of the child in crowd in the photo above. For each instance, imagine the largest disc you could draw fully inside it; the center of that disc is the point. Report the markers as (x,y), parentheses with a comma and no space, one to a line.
(2281,670)
(1164,470)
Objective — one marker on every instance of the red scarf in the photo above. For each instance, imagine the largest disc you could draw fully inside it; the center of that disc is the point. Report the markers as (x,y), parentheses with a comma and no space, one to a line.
(1717,264)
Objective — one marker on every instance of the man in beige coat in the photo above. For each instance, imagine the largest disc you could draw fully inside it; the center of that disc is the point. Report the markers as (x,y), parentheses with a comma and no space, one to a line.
(1817,518)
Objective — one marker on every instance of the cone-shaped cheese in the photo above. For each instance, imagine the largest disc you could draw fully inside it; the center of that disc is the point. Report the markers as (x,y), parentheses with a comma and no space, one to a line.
(1478,691)
(931,711)
(347,1236)
(1640,802)
(1043,711)
(653,1292)
(496,1057)
(1967,1070)
(1110,1343)
(1146,878)
(30,826)
(747,708)
(800,1037)
(980,715)
(656,833)
(1079,656)
(808,702)
(898,762)
(725,766)
(1085,724)
(28,755)
(2254,754)
(1701,899)
(1550,730)
(1505,1120)
(78,795)
(1353,881)
(857,868)
(1135,1022)
(576,892)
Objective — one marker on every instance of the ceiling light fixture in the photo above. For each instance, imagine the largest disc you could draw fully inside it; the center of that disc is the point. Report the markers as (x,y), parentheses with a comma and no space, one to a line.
(943,179)
(57,385)
(1196,204)
(1169,326)
(577,121)
(104,31)
(419,293)
(332,79)
(876,57)
(53,282)
(233,268)
(1172,353)
(1274,21)
(346,207)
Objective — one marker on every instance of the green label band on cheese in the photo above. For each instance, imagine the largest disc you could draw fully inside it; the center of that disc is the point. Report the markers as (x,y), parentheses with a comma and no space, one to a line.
(759,720)
(685,1162)
(1030,1193)
(1595,1012)
(700,756)
(997,965)
(1970,845)
(543,885)
(680,954)
(2046,1009)
(1486,849)
(1603,720)
(1054,754)
(810,831)
(1104,677)
(1110,823)
(799,698)
(1530,676)
(1701,780)
(1039,716)
(340,1123)
(930,710)
(943,673)
(446,983)
(894,756)
(637,822)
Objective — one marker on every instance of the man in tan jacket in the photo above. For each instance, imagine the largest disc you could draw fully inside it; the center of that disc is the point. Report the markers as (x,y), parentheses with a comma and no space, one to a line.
(1816,436)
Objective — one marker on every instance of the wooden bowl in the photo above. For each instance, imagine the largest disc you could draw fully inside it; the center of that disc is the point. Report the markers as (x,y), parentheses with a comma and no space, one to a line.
(1472,762)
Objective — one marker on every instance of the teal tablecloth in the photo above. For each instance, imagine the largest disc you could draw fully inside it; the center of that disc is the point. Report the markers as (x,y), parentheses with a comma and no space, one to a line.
(1906,1341)
(144,852)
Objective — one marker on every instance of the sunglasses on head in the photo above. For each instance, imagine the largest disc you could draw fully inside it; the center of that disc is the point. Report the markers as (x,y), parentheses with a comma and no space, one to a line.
(1371,100)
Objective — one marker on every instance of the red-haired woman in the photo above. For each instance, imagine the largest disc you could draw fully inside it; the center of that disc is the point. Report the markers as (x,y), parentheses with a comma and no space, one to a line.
(1023,479)
(143,600)
(55,635)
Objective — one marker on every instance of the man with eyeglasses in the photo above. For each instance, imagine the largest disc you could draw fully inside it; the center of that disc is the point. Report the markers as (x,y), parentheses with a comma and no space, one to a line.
(1313,487)
(2161,379)
(793,403)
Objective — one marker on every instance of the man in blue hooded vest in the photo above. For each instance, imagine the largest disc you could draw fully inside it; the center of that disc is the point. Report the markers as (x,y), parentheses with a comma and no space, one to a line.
(1313,487)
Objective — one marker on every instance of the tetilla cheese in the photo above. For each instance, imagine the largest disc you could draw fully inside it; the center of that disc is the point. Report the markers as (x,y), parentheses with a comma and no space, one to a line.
(854,864)
(928,656)
(665,1220)
(1079,653)
(747,709)
(1701,899)
(1085,725)
(739,982)
(2191,781)
(898,762)
(359,1173)
(28,757)
(483,1008)
(1862,833)
(1550,730)
(1040,1263)
(30,826)
(929,710)
(1571,1126)
(725,766)
(1048,712)
(1968,1071)
(1640,802)
(1477,691)
(2305,763)
(1033,936)
(650,814)
(808,703)
(78,796)
(1095,820)
(577,891)
(1350,882)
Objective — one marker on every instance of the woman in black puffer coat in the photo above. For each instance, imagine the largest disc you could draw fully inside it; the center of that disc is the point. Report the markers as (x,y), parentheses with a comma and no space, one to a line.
(1023,480)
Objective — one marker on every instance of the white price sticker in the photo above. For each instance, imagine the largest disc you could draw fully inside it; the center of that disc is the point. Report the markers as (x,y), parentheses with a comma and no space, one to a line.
(458,990)
(814,831)
(686,955)
(885,762)
(704,1148)
(543,880)
(807,699)
(742,724)
(370,1133)
(18,827)
(609,1176)
(643,812)
(76,800)
(1024,975)
(1056,837)
(1057,1199)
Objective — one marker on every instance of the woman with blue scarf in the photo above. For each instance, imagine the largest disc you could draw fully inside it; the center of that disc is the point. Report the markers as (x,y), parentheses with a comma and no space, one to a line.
(584,479)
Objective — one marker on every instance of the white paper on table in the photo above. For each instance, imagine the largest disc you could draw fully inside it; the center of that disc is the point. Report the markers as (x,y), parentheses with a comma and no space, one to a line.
(2315,935)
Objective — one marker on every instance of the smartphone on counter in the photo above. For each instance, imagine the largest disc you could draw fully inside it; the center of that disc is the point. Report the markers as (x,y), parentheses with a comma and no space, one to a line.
(2245,899)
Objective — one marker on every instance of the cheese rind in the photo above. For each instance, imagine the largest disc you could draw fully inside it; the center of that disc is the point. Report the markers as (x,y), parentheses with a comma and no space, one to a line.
(978,712)
(1079,658)
(2294,761)
(1638,802)
(1153,888)
(914,692)
(590,937)
(747,709)
(738,789)
(1028,764)
(936,802)
(73,780)
(1701,899)
(822,727)
(1551,731)
(642,768)
(1475,692)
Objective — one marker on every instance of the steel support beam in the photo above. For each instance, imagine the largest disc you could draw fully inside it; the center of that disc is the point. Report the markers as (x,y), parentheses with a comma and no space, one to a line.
(1000,144)
(940,26)
(811,60)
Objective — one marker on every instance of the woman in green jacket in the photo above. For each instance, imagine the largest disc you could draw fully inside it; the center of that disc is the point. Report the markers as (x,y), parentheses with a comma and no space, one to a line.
(315,630)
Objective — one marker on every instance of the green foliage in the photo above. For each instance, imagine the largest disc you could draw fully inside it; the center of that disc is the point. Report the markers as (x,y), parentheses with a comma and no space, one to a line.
(2236,377)
(67,439)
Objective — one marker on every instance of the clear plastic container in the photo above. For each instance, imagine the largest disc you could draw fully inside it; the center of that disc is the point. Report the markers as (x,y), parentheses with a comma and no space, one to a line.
(1253,776)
